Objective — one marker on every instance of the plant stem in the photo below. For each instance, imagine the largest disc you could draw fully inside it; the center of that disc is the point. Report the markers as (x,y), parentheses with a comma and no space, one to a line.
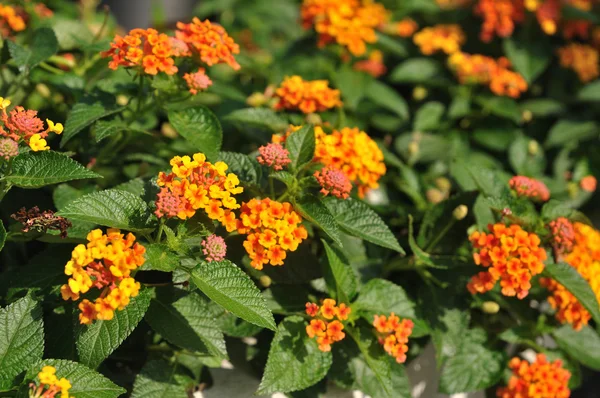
(440,235)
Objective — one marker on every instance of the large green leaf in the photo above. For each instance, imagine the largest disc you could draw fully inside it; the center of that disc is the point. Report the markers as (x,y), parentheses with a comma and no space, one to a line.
(229,286)
(340,276)
(584,345)
(85,383)
(43,46)
(295,361)
(566,130)
(358,219)
(386,97)
(200,127)
(258,117)
(429,116)
(246,168)
(572,280)
(311,208)
(21,338)
(187,321)
(158,379)
(301,145)
(160,258)
(529,56)
(112,208)
(98,340)
(84,114)
(416,70)
(36,169)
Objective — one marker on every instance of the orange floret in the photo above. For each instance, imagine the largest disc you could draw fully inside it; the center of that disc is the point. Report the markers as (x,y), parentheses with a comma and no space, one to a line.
(510,255)
(540,379)
(306,96)
(499,17)
(49,386)
(393,334)
(10,20)
(445,38)
(582,59)
(324,326)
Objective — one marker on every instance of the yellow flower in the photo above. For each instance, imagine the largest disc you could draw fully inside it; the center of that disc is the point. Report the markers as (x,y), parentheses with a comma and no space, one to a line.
(4,103)
(55,128)
(37,143)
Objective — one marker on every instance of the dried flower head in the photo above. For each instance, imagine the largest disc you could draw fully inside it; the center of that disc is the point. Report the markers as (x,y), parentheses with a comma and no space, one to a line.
(41,221)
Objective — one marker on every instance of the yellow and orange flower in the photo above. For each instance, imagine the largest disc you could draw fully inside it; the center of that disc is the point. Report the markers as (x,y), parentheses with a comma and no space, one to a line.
(540,379)
(10,20)
(499,17)
(294,93)
(373,65)
(510,255)
(393,334)
(106,263)
(326,325)
(585,258)
(272,229)
(50,385)
(445,38)
(582,59)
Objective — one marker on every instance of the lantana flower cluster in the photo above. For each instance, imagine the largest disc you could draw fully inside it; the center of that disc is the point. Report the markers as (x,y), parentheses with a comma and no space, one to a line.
(373,65)
(23,126)
(194,184)
(582,59)
(393,334)
(49,385)
(104,263)
(585,258)
(540,379)
(445,38)
(10,20)
(326,325)
(272,229)
(294,93)
(510,255)
(529,188)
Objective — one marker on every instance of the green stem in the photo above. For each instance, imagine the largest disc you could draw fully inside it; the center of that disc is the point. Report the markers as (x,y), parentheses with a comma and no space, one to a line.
(51,68)
(271,188)
(440,235)
(159,233)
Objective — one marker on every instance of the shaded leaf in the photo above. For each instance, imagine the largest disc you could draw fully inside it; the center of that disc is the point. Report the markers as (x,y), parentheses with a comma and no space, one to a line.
(200,127)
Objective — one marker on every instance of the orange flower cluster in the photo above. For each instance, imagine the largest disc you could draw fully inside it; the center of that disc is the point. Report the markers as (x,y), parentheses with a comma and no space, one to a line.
(197,81)
(394,334)
(324,327)
(549,15)
(581,58)
(540,379)
(529,188)
(10,20)
(272,228)
(373,65)
(446,38)
(350,23)
(499,17)
(306,96)
(585,258)
(50,385)
(511,255)
(105,263)
(479,69)
(403,28)
(196,184)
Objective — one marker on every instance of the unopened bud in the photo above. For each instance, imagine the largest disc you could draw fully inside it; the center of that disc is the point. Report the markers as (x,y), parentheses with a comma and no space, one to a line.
(314,118)
(419,93)
(443,184)
(434,195)
(533,147)
(572,189)
(43,90)
(413,148)
(490,307)
(527,115)
(460,212)
(168,131)
(256,100)
(122,100)
(265,281)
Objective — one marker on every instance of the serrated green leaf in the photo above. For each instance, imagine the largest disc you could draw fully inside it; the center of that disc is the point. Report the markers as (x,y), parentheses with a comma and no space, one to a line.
(416,70)
(529,56)
(112,208)
(312,209)
(85,383)
(523,161)
(200,127)
(246,168)
(584,345)
(98,340)
(230,287)
(388,98)
(187,321)
(70,33)
(572,280)
(43,46)
(19,54)
(106,128)
(37,169)
(566,130)
(258,117)
(135,186)
(287,178)
(503,107)
(233,326)
(295,361)
(160,258)
(158,379)
(341,277)
(429,116)
(84,114)
(358,219)
(21,338)
(301,146)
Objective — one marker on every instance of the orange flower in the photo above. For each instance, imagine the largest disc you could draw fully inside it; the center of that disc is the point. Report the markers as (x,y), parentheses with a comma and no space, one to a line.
(540,379)
(403,28)
(24,125)
(529,188)
(393,334)
(511,255)
(306,96)
(499,17)
(374,65)
(446,38)
(324,327)
(581,58)
(588,183)
(10,20)
(585,258)
(548,14)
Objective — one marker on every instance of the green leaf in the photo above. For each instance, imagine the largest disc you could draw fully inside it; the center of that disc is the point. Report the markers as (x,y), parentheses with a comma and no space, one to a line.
(416,70)
(43,46)
(229,286)
(160,258)
(2,235)
(158,379)
(295,361)
(70,33)
(200,127)
(301,145)
(503,107)
(84,114)
(313,210)
(342,278)
(37,169)
(246,168)
(21,338)
(352,85)
(107,128)
(85,383)
(584,345)
(258,117)
(98,340)
(590,92)
(473,368)
(572,280)
(568,131)
(429,116)
(287,178)
(358,219)
(111,208)
(529,56)
(542,107)
(187,321)
(521,159)
(388,98)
